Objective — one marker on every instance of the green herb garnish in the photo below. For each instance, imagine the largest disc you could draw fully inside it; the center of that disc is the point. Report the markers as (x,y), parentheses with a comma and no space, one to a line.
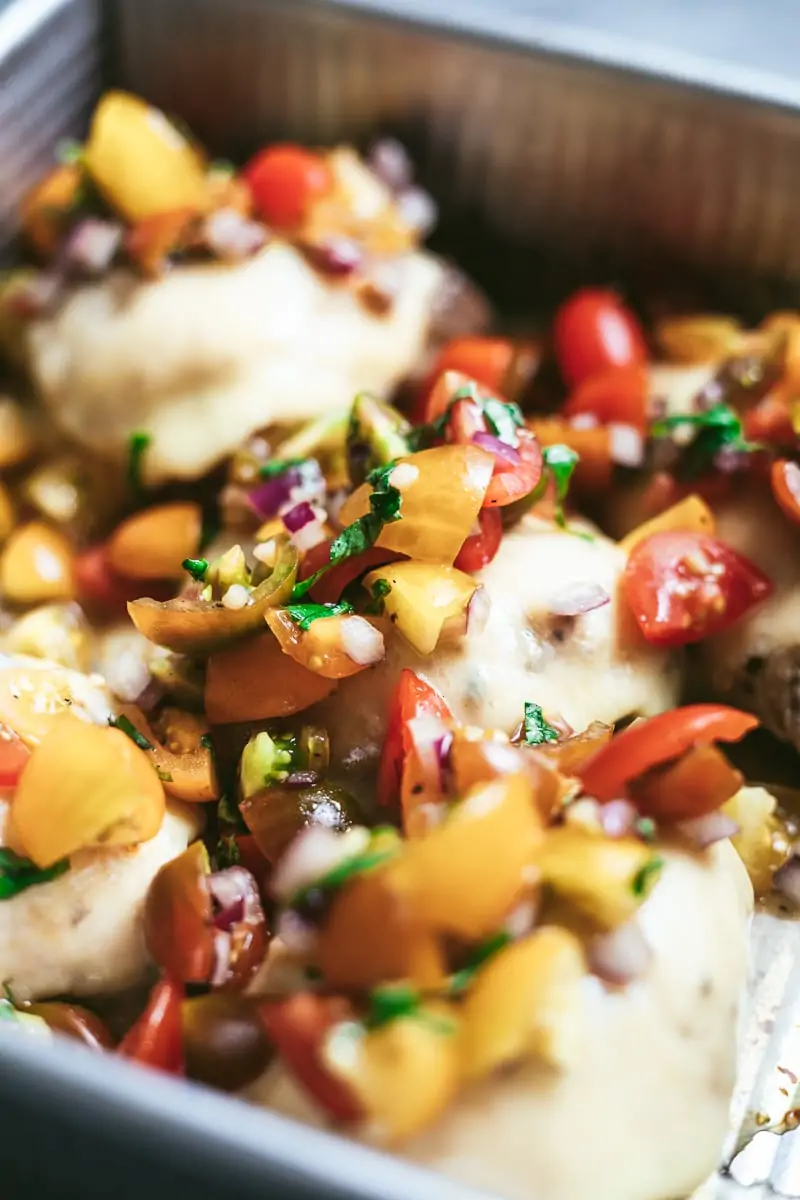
(358,864)
(197,568)
(266,760)
(391,1001)
(560,461)
(461,980)
(305,614)
(535,729)
(164,776)
(646,876)
(718,428)
(17,873)
(645,828)
(503,418)
(277,466)
(128,727)
(137,445)
(378,592)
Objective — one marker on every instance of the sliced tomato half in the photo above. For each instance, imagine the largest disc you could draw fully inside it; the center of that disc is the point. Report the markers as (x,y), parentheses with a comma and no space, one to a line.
(413,698)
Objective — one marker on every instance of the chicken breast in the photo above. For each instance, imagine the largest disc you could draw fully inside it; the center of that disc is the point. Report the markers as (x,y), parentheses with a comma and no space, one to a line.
(590,667)
(642,1113)
(205,356)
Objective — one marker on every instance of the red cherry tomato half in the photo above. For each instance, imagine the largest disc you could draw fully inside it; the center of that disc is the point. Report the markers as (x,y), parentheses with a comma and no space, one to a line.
(101,588)
(618,394)
(298,1027)
(770,422)
(412,698)
(156,1040)
(658,740)
(593,331)
(785,479)
(285,181)
(14,754)
(487,360)
(480,548)
(682,587)
(512,481)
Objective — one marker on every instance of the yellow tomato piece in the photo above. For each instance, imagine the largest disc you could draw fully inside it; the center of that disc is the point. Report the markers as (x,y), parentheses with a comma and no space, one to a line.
(85,785)
(762,841)
(153,544)
(140,161)
(327,645)
(182,759)
(37,565)
(601,876)
(33,698)
(254,680)
(465,875)
(442,491)
(424,600)
(405,1073)
(45,208)
(691,514)
(527,1000)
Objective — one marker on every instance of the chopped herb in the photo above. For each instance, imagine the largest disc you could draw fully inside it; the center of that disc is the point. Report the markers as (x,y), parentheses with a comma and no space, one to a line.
(535,729)
(277,466)
(718,428)
(305,614)
(164,776)
(196,567)
(137,445)
(645,828)
(560,461)
(461,980)
(227,853)
(377,434)
(17,873)
(503,419)
(341,874)
(379,590)
(646,876)
(128,727)
(266,760)
(69,152)
(391,1001)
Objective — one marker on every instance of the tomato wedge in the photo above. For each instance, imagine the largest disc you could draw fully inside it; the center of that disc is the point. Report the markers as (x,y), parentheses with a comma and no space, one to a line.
(592,331)
(618,394)
(14,754)
(657,740)
(285,180)
(487,360)
(480,548)
(785,479)
(298,1027)
(412,698)
(156,1040)
(682,586)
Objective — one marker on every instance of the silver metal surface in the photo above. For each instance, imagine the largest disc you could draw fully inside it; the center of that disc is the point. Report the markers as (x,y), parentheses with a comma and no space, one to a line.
(536,149)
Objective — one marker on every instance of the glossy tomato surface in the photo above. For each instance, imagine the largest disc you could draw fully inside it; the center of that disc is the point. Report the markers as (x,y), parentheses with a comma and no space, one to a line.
(593,331)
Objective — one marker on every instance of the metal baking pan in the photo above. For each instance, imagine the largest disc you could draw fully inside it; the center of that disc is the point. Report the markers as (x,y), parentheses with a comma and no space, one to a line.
(564,141)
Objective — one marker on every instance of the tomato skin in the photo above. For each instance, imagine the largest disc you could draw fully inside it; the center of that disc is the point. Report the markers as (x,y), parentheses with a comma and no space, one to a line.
(412,698)
(770,422)
(659,739)
(14,755)
(701,781)
(618,394)
(510,483)
(682,586)
(298,1027)
(156,1040)
(485,359)
(330,586)
(785,480)
(101,588)
(285,180)
(592,331)
(480,548)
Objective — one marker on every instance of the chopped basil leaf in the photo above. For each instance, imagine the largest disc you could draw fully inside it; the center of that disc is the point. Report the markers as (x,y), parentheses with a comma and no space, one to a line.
(535,729)
(560,461)
(645,828)
(305,614)
(17,873)
(277,466)
(391,1001)
(227,853)
(128,727)
(503,419)
(379,590)
(461,980)
(137,445)
(196,567)
(718,428)
(646,876)
(341,874)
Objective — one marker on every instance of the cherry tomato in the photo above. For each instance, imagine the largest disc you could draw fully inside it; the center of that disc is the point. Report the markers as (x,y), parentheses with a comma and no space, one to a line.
(298,1027)
(99,587)
(684,586)
(285,181)
(785,479)
(511,481)
(618,394)
(14,754)
(156,1040)
(770,422)
(487,360)
(73,1021)
(412,698)
(593,331)
(699,782)
(660,739)
(480,548)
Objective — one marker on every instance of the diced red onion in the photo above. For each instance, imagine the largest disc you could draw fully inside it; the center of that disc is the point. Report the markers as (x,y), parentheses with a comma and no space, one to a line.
(418,210)
(313,853)
(298,516)
(432,743)
(787,880)
(497,447)
(303,482)
(337,255)
(92,246)
(362,642)
(617,818)
(301,779)
(710,828)
(236,893)
(627,445)
(311,534)
(620,956)
(298,936)
(478,611)
(578,598)
(231,236)
(390,161)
